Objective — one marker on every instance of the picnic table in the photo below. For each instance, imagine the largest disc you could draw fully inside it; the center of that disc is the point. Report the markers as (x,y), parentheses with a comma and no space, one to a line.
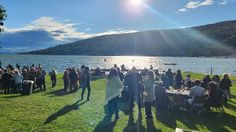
(180,92)
(178,97)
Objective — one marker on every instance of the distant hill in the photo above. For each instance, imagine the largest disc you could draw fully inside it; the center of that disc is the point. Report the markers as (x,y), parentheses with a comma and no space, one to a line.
(217,39)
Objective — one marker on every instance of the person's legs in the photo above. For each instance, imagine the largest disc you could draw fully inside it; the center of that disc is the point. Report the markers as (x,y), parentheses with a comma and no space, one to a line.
(116,107)
(65,86)
(17,88)
(82,94)
(131,102)
(39,84)
(226,97)
(55,82)
(71,85)
(76,85)
(20,86)
(89,90)
(52,83)
(139,102)
(110,108)
(44,85)
(148,110)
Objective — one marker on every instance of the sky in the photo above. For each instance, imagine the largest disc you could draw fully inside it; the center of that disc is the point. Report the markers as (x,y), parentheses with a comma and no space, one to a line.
(70,20)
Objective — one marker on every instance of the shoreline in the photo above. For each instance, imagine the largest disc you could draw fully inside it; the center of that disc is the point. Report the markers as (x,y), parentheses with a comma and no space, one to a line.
(146,56)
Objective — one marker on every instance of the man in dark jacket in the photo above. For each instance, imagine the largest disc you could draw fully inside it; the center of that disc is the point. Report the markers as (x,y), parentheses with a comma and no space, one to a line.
(85,82)
(6,81)
(132,80)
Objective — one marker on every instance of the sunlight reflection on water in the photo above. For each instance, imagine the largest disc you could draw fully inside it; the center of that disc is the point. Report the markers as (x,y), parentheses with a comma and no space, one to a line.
(194,64)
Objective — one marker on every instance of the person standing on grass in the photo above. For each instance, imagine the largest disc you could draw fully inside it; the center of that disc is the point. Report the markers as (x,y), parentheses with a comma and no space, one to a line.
(41,78)
(225,85)
(86,78)
(6,80)
(18,78)
(149,93)
(132,80)
(113,88)
(66,80)
(73,79)
(53,76)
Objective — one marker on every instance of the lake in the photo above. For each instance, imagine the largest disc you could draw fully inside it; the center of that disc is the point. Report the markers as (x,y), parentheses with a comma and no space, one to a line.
(60,62)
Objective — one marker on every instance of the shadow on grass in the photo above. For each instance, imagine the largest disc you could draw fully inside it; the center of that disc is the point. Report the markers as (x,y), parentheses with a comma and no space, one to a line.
(150,126)
(232,101)
(231,107)
(64,111)
(132,126)
(214,123)
(61,92)
(208,120)
(166,118)
(106,125)
(233,96)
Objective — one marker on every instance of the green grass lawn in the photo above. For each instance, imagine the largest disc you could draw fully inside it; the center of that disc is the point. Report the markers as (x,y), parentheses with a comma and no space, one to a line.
(53,110)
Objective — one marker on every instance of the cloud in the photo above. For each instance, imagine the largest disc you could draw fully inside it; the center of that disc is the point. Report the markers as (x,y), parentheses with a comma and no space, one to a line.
(63,31)
(193,4)
(196,4)
(207,3)
(223,2)
(182,10)
(46,32)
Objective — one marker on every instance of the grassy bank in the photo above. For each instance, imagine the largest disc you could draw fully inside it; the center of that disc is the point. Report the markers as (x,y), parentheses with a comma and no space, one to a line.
(53,110)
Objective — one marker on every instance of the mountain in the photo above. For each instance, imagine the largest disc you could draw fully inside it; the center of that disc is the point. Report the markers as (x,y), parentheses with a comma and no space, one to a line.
(217,39)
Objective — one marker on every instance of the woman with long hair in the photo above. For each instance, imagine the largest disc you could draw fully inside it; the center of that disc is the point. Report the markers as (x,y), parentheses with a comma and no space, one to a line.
(225,85)
(66,80)
(149,93)
(113,88)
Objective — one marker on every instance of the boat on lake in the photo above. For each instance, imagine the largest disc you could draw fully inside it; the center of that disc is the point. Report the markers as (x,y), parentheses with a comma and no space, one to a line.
(170,63)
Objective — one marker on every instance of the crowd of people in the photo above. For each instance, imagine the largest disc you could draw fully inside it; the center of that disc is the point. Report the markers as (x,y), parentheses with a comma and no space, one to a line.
(77,78)
(142,86)
(149,87)
(11,78)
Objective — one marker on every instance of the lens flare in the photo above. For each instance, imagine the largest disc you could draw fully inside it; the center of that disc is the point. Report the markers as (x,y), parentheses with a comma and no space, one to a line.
(136,2)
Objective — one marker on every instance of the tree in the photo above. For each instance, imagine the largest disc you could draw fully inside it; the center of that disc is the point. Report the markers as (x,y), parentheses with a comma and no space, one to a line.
(3,16)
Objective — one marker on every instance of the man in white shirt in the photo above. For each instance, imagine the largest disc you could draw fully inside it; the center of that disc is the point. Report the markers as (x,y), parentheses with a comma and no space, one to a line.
(196,90)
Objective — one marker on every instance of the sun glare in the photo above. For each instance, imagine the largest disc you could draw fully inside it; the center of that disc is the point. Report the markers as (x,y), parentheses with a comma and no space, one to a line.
(136,2)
